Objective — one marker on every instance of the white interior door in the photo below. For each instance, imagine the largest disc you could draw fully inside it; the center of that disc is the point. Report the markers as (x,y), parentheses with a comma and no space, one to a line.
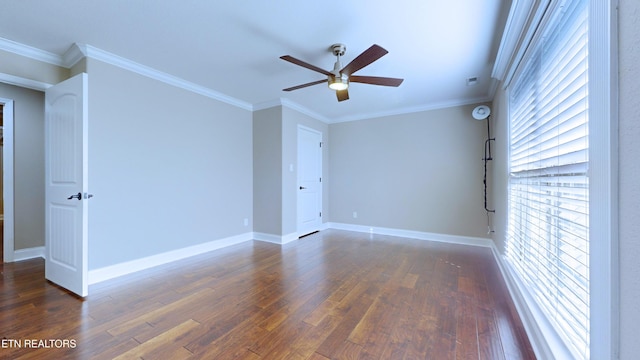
(66,184)
(309,180)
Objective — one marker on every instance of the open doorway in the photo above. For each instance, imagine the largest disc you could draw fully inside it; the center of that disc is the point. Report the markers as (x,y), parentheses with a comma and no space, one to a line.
(1,183)
(23,171)
(6,179)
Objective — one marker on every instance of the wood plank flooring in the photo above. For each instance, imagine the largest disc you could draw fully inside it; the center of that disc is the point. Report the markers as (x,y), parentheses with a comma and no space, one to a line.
(331,295)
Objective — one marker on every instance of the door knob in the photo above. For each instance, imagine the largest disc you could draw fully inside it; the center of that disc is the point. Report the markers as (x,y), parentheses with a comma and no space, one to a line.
(302,187)
(76,196)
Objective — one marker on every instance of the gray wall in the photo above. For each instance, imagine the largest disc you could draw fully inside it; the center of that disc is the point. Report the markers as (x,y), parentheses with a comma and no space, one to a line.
(27,68)
(267,171)
(500,174)
(629,122)
(290,121)
(275,139)
(168,168)
(28,171)
(420,171)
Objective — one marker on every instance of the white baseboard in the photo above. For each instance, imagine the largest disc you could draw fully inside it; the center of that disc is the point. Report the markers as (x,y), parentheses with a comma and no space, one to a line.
(275,239)
(544,341)
(30,253)
(98,275)
(419,235)
(113,271)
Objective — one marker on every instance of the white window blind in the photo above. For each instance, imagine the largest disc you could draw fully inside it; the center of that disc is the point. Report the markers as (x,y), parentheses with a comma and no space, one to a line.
(548,229)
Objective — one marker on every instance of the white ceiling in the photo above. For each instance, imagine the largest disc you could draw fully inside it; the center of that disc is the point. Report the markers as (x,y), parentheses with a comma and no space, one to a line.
(233,47)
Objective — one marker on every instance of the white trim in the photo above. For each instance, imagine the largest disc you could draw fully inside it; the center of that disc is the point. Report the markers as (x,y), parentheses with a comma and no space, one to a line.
(535,323)
(493,88)
(603,180)
(29,253)
(414,109)
(412,234)
(365,116)
(275,239)
(30,52)
(514,29)
(603,195)
(270,238)
(115,60)
(72,56)
(318,222)
(117,270)
(291,105)
(110,272)
(78,51)
(289,238)
(535,16)
(7,181)
(23,82)
(269,104)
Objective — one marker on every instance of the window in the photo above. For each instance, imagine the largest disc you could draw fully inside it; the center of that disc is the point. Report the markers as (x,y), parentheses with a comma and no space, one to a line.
(548,222)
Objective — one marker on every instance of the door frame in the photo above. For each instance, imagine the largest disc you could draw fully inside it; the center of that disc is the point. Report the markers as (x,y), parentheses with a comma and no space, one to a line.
(7,179)
(8,162)
(320,168)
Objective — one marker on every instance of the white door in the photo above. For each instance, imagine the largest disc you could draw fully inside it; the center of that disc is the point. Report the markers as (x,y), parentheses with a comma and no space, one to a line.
(309,180)
(66,184)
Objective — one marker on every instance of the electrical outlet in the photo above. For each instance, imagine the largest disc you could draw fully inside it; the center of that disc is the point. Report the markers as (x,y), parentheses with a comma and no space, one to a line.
(246,222)
(355,214)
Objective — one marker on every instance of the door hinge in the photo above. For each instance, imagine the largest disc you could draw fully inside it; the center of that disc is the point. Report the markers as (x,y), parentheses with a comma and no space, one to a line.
(320,179)
(321,214)
(320,143)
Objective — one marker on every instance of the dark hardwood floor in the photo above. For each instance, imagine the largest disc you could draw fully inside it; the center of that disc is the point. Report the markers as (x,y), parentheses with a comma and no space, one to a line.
(331,295)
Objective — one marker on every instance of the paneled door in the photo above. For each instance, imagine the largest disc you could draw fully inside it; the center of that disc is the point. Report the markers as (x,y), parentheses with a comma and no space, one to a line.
(309,180)
(66,214)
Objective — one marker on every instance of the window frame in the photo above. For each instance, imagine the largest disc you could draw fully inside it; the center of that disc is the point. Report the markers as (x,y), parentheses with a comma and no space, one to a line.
(603,191)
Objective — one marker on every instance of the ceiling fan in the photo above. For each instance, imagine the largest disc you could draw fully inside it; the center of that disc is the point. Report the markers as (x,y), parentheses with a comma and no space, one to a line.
(340,77)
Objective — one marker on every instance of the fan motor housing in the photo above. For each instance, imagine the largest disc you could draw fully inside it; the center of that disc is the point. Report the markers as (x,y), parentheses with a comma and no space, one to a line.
(338,49)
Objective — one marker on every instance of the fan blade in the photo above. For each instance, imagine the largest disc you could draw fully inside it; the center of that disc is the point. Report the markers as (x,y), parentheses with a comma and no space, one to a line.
(375,80)
(305,85)
(342,95)
(368,56)
(293,60)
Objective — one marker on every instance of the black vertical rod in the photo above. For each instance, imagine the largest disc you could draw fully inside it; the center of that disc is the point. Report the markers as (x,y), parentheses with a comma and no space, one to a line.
(489,136)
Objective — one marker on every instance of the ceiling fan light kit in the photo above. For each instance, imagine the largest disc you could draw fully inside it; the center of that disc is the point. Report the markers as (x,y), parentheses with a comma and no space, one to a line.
(339,78)
(338,83)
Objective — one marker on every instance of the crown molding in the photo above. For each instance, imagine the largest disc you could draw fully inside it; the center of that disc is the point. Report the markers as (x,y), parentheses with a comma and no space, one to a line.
(415,109)
(30,52)
(291,105)
(74,54)
(23,82)
(493,88)
(534,17)
(299,108)
(514,30)
(78,51)
(400,111)
(267,104)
